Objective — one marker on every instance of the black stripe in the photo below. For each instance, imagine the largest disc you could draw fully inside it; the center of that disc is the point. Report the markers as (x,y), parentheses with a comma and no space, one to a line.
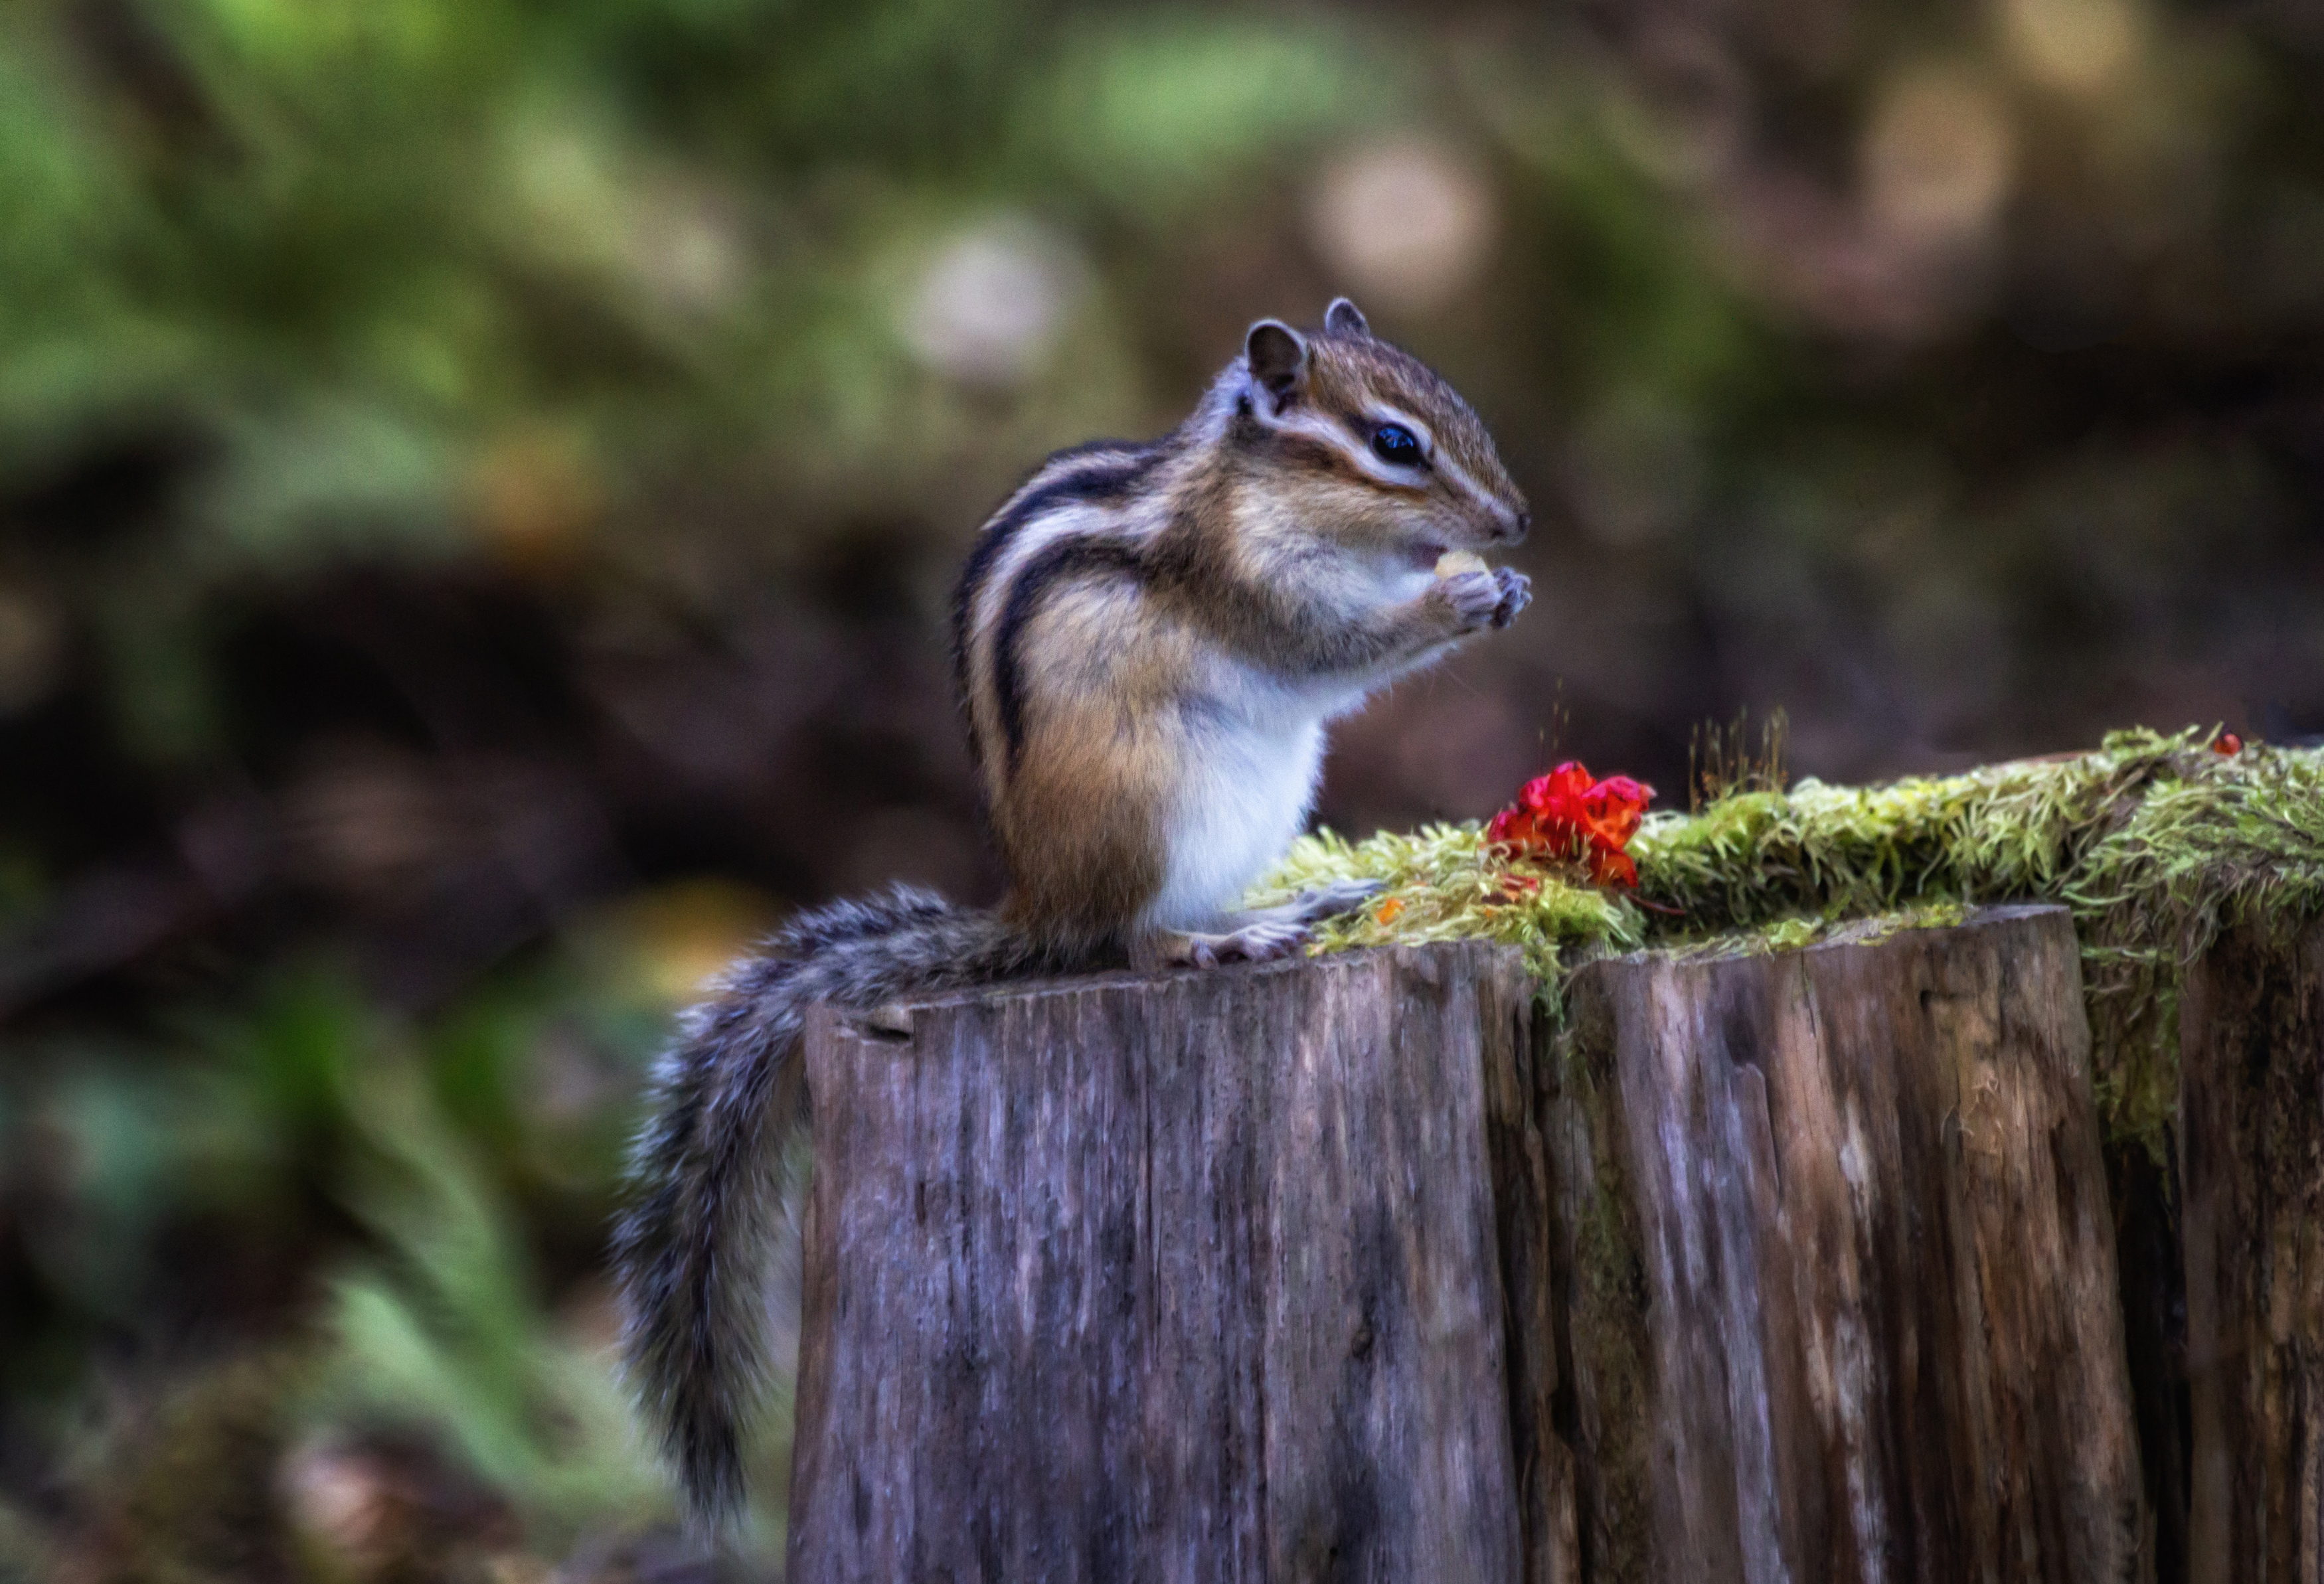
(1096,483)
(1060,562)
(1354,423)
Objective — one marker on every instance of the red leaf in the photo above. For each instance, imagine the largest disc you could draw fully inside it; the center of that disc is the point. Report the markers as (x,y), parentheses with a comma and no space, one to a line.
(1568,815)
(1612,869)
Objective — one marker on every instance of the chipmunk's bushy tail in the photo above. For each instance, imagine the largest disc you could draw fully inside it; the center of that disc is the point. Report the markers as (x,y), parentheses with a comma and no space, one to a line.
(691,1252)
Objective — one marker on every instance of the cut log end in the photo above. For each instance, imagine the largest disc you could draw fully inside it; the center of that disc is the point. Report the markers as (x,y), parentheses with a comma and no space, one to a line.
(1189,1277)
(1798,1266)
(1843,1302)
(2251,1158)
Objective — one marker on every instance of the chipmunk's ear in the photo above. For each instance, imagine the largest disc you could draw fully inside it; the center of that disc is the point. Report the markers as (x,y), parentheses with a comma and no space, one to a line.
(1278,359)
(1345,318)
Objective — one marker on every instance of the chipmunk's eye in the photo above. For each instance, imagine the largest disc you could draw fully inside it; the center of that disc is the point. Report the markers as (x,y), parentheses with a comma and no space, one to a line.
(1393,443)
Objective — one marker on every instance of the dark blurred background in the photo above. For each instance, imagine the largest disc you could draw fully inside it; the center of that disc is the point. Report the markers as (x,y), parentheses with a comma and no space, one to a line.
(480,482)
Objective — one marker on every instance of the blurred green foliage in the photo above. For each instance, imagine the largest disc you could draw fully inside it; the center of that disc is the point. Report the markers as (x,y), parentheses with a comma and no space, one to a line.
(397,271)
(406,1174)
(479,482)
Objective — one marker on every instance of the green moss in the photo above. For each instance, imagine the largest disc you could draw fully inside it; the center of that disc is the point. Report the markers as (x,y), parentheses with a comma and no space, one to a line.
(2156,844)
(1799,931)
(1442,884)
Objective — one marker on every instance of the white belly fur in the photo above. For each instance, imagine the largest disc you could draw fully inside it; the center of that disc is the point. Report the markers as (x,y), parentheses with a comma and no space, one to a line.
(1245,796)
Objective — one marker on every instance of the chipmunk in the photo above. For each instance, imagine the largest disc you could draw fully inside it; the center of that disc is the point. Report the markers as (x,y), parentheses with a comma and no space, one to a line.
(1150,639)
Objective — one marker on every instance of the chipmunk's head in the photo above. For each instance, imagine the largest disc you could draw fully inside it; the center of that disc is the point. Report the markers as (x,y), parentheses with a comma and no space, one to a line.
(1351,437)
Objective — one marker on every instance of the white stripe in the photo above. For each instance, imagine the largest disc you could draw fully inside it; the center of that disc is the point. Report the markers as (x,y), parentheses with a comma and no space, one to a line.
(1066,518)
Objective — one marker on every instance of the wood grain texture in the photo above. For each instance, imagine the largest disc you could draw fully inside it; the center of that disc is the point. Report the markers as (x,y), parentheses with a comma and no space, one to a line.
(2251,1136)
(1193,1278)
(1842,1299)
(2149,1257)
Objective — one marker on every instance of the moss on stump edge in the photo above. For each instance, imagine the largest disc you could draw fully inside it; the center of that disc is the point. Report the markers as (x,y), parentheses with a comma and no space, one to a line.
(2156,843)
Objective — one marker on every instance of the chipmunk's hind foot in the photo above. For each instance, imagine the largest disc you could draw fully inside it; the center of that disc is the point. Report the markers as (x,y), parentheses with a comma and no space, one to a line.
(1266,935)
(1264,939)
(1324,902)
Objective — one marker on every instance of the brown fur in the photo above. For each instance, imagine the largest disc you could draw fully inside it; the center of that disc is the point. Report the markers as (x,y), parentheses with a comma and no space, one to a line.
(1218,531)
(1078,816)
(1347,368)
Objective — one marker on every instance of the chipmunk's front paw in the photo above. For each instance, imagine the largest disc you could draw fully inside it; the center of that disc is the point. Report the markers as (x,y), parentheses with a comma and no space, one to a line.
(1475,597)
(1516,592)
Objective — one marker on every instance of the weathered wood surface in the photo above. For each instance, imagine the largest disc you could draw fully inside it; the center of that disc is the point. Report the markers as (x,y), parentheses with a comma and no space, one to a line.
(1193,1278)
(2251,1138)
(1794,1267)
(1839,1285)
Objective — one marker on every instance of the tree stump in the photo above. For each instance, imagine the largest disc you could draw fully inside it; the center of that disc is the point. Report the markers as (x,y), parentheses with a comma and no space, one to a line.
(2251,1156)
(1190,1278)
(1839,1288)
(1784,1266)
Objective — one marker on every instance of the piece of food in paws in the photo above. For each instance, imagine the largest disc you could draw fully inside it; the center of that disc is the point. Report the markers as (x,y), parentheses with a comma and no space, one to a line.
(1453,562)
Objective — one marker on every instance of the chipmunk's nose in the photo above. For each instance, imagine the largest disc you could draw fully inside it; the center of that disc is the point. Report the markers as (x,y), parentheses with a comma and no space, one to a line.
(1514,526)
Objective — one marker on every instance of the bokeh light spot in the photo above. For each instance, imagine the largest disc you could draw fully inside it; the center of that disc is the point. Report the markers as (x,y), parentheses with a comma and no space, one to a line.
(2079,46)
(1406,224)
(993,301)
(1938,159)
